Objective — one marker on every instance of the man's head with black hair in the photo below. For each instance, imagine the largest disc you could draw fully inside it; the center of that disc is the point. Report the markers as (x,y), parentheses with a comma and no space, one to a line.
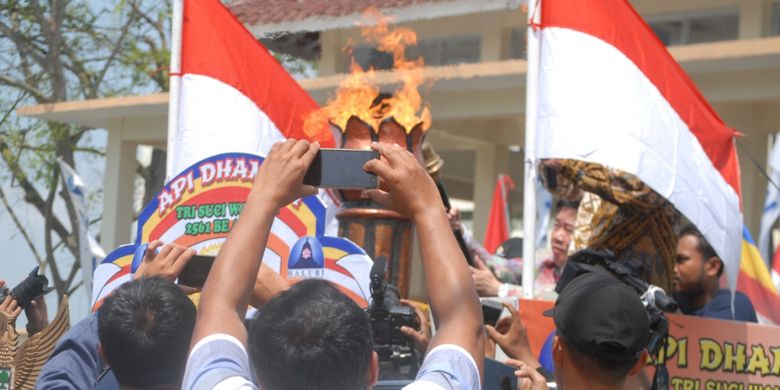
(312,337)
(697,268)
(145,327)
(563,230)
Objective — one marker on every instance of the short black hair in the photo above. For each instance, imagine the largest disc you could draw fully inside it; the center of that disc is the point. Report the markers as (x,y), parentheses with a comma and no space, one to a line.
(704,247)
(145,327)
(311,337)
(605,371)
(563,203)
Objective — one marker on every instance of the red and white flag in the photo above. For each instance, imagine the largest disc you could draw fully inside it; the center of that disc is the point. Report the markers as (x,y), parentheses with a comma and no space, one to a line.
(233,95)
(609,92)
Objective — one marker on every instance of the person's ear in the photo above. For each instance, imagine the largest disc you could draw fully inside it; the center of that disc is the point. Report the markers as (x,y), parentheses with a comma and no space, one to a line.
(640,363)
(101,353)
(712,266)
(373,370)
(557,351)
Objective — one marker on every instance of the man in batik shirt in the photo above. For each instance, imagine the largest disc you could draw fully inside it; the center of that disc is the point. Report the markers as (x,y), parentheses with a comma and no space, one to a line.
(620,213)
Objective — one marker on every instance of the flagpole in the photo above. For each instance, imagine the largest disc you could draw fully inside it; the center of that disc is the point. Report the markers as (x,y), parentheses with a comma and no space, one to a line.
(174,90)
(505,203)
(529,192)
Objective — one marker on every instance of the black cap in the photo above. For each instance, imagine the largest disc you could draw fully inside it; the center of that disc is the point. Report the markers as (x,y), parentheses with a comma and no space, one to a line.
(511,248)
(601,317)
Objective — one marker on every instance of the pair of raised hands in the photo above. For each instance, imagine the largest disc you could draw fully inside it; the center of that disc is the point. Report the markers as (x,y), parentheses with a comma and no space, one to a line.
(510,334)
(410,189)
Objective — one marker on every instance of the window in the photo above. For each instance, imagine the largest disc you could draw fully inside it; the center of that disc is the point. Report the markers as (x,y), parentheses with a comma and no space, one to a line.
(435,52)
(697,27)
(774,26)
(517,49)
(447,51)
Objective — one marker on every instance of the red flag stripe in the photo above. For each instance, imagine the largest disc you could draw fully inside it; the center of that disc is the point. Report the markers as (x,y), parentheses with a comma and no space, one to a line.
(642,47)
(217,45)
(776,261)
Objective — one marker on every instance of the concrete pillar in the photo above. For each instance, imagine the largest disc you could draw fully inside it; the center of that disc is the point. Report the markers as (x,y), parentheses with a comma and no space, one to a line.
(491,46)
(753,18)
(118,188)
(329,61)
(484,183)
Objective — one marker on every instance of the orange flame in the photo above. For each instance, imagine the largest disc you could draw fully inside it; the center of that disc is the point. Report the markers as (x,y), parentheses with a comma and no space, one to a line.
(357,92)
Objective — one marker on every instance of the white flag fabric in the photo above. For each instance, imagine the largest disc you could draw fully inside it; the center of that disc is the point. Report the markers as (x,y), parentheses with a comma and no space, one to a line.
(771,204)
(235,96)
(90,252)
(609,92)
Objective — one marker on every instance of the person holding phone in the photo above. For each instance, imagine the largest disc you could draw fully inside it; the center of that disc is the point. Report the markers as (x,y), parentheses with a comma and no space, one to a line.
(312,336)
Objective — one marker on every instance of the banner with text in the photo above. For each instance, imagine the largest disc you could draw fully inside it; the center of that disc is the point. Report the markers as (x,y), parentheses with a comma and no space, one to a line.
(701,354)
(198,208)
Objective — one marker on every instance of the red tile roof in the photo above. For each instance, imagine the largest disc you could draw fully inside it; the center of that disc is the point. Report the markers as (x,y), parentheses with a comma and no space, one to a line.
(253,12)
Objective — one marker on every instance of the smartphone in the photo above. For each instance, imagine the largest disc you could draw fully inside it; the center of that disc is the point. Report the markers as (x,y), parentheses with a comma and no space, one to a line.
(491,311)
(196,271)
(498,376)
(341,169)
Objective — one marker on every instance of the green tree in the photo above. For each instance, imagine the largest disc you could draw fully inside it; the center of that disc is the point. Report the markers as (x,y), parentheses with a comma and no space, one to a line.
(63,50)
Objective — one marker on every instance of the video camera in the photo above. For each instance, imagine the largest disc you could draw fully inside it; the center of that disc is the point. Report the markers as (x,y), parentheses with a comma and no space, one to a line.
(629,272)
(387,316)
(28,289)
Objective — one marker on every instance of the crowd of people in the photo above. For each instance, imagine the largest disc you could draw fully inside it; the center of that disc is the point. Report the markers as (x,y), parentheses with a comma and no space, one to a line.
(149,335)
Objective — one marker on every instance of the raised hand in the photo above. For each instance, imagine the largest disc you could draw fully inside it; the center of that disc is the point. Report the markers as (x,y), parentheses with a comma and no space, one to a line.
(168,263)
(280,178)
(411,191)
(486,283)
(511,336)
(527,377)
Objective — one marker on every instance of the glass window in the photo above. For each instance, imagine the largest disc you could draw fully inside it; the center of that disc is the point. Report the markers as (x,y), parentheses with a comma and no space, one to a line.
(448,51)
(517,48)
(697,27)
(669,32)
(435,52)
(774,27)
(713,28)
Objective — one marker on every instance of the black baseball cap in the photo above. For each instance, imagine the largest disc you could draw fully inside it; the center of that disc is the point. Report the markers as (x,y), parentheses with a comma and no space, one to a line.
(601,317)
(511,248)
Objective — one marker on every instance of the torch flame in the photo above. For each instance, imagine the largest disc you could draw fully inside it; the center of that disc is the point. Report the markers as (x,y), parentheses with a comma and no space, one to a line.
(357,92)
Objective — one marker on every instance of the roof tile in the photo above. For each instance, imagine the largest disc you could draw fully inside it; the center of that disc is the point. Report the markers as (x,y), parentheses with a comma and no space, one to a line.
(255,12)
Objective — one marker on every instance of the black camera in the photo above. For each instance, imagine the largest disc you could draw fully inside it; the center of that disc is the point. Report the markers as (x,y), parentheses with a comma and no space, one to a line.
(387,316)
(28,289)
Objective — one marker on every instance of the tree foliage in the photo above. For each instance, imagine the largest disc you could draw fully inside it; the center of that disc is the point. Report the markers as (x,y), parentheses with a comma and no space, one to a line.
(63,50)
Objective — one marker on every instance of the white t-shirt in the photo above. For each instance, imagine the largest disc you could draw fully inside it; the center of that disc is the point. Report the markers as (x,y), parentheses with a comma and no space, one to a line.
(220,362)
